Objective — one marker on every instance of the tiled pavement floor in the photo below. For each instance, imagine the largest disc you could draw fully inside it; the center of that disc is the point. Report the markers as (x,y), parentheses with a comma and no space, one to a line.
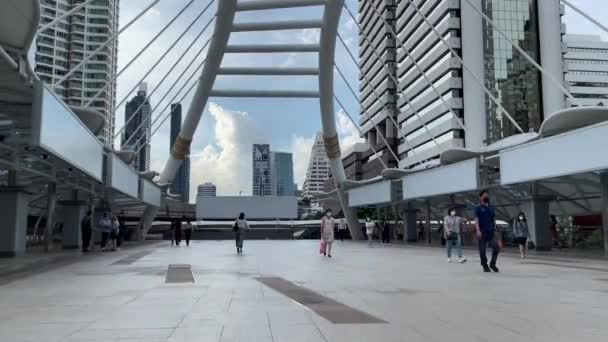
(420,295)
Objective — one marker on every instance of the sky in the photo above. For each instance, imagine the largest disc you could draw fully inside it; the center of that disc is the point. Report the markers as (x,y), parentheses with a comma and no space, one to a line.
(221,148)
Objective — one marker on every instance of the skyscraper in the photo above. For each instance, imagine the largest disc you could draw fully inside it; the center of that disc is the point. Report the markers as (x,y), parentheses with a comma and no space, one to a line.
(206,190)
(282,174)
(137,112)
(436,93)
(181,183)
(587,61)
(262,174)
(62,47)
(318,167)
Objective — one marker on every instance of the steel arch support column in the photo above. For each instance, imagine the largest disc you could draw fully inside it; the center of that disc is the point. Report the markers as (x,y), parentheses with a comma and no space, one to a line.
(181,149)
(329,32)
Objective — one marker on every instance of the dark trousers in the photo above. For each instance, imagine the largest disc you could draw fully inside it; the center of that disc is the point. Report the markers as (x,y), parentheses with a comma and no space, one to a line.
(484,240)
(178,235)
(188,234)
(386,236)
(104,239)
(86,238)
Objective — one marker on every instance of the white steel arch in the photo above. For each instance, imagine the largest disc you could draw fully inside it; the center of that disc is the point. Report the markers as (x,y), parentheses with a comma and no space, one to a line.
(224,26)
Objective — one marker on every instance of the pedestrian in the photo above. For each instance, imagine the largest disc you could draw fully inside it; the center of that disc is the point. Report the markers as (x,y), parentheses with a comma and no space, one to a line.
(420,231)
(239,228)
(342,229)
(114,231)
(105,225)
(87,231)
(188,232)
(452,232)
(121,233)
(327,232)
(369,230)
(178,232)
(485,225)
(520,233)
(386,232)
(553,227)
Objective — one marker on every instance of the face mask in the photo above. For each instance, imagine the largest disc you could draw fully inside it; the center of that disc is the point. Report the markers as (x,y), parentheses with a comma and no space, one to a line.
(521,218)
(453,213)
(328,214)
(486,200)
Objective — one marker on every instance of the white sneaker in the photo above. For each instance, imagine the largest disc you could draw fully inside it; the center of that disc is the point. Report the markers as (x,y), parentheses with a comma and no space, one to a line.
(449,259)
(462,260)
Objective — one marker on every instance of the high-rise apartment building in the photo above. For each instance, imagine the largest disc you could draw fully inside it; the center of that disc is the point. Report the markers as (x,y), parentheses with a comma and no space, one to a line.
(62,47)
(262,172)
(435,92)
(281,165)
(136,138)
(378,61)
(587,64)
(318,167)
(181,183)
(206,190)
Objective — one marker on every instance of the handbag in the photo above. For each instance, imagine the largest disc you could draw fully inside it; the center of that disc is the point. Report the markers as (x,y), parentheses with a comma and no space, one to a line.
(453,236)
(322,247)
(235,227)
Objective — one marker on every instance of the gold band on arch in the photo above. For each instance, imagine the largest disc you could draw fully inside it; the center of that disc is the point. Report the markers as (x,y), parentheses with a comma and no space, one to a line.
(332,147)
(181,148)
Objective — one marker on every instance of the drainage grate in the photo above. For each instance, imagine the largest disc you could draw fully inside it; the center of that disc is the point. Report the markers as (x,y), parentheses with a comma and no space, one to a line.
(128,260)
(179,274)
(325,307)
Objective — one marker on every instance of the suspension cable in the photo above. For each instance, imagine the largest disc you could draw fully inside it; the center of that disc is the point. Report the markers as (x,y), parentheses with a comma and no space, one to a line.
(108,83)
(195,72)
(394,79)
(553,80)
(378,97)
(88,56)
(179,78)
(370,117)
(587,16)
(181,57)
(63,16)
(455,54)
(125,98)
(371,146)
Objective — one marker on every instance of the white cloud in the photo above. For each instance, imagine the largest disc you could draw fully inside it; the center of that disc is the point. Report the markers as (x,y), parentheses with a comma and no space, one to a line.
(227,162)
(301,148)
(348,133)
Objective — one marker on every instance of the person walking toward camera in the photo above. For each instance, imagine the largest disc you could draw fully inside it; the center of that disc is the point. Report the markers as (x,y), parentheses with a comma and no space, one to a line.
(327,232)
(452,230)
(485,226)
(369,230)
(520,233)
(239,228)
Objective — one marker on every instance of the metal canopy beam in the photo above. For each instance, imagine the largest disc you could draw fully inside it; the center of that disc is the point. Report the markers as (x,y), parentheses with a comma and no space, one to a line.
(277,25)
(265,93)
(270,71)
(276,4)
(274,48)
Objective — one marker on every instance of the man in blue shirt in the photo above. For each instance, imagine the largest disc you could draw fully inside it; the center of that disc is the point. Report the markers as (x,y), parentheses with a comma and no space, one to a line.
(485,223)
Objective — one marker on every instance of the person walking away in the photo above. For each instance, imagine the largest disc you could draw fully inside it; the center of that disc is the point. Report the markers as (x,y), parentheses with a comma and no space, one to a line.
(386,233)
(341,229)
(485,225)
(369,230)
(114,231)
(239,227)
(327,232)
(420,231)
(87,231)
(520,233)
(105,225)
(121,233)
(188,232)
(178,232)
(452,232)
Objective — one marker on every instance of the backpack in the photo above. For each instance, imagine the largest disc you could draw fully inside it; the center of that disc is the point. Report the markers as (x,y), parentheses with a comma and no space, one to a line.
(235,227)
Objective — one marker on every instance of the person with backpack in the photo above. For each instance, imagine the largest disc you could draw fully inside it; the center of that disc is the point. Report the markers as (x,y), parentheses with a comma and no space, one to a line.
(87,231)
(452,233)
(239,227)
